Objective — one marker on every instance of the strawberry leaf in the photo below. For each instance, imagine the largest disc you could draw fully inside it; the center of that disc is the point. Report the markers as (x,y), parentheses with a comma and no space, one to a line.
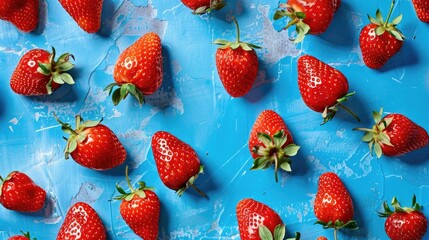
(379,16)
(369,136)
(279,232)
(377,149)
(291,150)
(264,233)
(397,20)
(380,30)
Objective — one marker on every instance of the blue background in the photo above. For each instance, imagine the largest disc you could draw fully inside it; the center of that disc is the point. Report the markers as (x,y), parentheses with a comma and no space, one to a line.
(193,105)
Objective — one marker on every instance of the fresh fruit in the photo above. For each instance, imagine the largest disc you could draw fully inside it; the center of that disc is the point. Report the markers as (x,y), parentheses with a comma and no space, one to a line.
(270,142)
(336,4)
(333,205)
(204,6)
(380,39)
(140,209)
(258,221)
(237,65)
(322,238)
(24,14)
(322,87)
(404,223)
(177,163)
(138,70)
(38,73)
(93,145)
(19,193)
(422,9)
(24,236)
(308,16)
(86,13)
(82,222)
(394,135)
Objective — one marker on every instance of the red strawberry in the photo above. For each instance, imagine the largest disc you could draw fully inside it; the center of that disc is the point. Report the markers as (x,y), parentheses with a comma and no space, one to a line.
(82,222)
(86,13)
(237,65)
(270,142)
(394,135)
(140,209)
(336,4)
(93,145)
(422,9)
(380,39)
(24,236)
(404,223)
(322,238)
(24,14)
(19,193)
(333,205)
(322,87)
(258,221)
(38,73)
(204,6)
(308,16)
(138,70)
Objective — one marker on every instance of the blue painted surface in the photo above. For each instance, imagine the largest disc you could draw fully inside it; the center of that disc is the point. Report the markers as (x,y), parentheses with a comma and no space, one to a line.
(193,105)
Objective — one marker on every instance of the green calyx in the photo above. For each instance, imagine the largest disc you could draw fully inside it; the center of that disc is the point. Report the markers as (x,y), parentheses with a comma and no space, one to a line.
(224,44)
(57,69)
(279,233)
(415,207)
(386,26)
(271,151)
(3,180)
(296,18)
(76,135)
(27,235)
(140,191)
(329,112)
(338,224)
(214,5)
(190,183)
(122,92)
(376,137)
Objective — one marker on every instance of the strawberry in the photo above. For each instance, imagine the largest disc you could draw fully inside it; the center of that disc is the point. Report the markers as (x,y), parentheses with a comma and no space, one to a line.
(404,223)
(204,6)
(380,39)
(86,13)
(140,209)
(394,135)
(177,163)
(322,238)
(322,87)
(19,193)
(258,221)
(24,14)
(82,222)
(270,142)
(38,73)
(93,145)
(333,205)
(237,65)
(308,16)
(138,70)
(422,9)
(24,236)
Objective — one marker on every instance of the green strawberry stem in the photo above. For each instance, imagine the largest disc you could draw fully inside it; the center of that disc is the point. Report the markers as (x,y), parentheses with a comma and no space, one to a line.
(190,183)
(214,5)
(139,192)
(297,19)
(390,13)
(237,29)
(224,44)
(335,234)
(203,194)
(349,111)
(27,235)
(276,166)
(330,111)
(127,179)
(390,27)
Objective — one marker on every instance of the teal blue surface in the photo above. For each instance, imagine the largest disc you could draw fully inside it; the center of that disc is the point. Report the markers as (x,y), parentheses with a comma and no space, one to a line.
(193,105)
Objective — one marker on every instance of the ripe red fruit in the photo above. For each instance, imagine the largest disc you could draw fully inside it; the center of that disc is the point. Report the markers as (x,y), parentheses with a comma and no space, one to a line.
(270,142)
(82,222)
(308,16)
(24,14)
(333,205)
(380,39)
(93,145)
(237,65)
(394,135)
(86,13)
(204,6)
(404,223)
(422,9)
(177,163)
(24,236)
(322,87)
(37,73)
(19,193)
(138,70)
(322,238)
(140,209)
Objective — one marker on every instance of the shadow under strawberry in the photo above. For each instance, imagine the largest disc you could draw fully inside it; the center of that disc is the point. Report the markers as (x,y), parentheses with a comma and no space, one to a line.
(416,157)
(164,219)
(64,94)
(206,182)
(407,56)
(231,8)
(262,85)
(43,18)
(299,165)
(359,107)
(107,14)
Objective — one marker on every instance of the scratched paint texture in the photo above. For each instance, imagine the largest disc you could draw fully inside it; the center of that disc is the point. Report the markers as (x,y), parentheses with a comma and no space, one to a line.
(193,105)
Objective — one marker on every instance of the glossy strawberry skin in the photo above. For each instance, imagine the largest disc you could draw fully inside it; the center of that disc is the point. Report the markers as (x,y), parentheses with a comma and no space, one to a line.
(320,85)
(141,64)
(237,69)
(18,238)
(422,9)
(322,238)
(20,193)
(24,14)
(175,160)
(333,201)
(82,222)
(318,13)
(86,13)
(194,4)
(377,50)
(251,214)
(142,215)
(406,226)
